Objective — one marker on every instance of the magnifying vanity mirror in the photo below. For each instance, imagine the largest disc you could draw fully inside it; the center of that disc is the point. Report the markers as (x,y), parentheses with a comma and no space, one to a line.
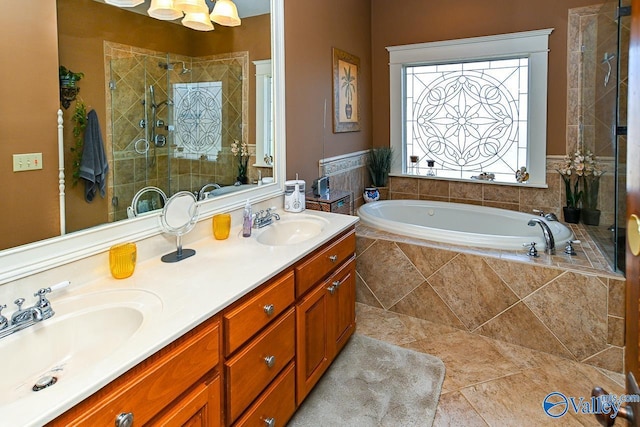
(178,217)
(69,44)
(146,201)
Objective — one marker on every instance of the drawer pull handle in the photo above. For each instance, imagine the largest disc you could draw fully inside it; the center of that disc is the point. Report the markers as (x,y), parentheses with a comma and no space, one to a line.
(270,422)
(270,361)
(269,309)
(333,258)
(125,419)
(337,283)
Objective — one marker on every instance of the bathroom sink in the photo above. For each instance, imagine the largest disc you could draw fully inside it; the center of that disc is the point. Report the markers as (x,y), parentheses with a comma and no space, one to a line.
(85,330)
(292,230)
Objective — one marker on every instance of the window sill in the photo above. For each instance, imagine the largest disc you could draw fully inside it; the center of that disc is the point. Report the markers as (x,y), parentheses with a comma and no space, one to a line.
(509,184)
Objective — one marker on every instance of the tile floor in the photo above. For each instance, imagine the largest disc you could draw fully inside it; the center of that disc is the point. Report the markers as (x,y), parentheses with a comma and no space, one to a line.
(489,382)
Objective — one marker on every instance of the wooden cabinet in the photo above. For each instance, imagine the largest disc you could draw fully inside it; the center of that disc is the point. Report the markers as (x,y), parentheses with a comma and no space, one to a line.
(252,365)
(255,312)
(253,368)
(337,201)
(342,310)
(276,405)
(185,372)
(200,407)
(325,317)
(318,265)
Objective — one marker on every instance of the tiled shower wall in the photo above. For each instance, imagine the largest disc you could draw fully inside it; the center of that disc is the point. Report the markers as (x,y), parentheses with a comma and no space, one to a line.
(133,70)
(569,313)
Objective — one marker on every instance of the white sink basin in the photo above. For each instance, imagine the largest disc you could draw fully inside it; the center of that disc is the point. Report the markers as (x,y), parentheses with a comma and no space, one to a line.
(292,230)
(84,330)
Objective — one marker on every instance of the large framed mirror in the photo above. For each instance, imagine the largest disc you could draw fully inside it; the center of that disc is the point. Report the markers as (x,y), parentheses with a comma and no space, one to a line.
(91,238)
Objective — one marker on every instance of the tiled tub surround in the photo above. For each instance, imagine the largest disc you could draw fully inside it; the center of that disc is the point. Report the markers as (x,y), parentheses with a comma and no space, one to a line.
(347,172)
(514,197)
(558,304)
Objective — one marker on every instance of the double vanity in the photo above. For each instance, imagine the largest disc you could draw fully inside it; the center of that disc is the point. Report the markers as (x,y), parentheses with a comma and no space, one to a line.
(236,335)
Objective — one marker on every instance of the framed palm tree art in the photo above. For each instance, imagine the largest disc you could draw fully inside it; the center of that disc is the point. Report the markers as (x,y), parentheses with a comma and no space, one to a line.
(346,80)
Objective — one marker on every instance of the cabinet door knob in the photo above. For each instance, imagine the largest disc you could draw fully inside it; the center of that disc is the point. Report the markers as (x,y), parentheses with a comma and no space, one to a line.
(270,361)
(332,289)
(333,258)
(269,309)
(125,419)
(270,422)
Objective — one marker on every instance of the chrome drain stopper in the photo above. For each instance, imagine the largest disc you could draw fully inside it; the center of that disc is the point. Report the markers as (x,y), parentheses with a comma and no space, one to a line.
(44,382)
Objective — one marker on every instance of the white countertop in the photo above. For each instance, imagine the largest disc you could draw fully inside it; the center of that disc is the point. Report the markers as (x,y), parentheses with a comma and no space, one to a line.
(190,292)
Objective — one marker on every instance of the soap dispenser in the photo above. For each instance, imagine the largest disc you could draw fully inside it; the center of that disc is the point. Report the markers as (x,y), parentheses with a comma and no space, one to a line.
(246,220)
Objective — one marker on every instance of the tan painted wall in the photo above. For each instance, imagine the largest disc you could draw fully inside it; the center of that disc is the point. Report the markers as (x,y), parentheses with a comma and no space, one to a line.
(312,28)
(28,208)
(419,21)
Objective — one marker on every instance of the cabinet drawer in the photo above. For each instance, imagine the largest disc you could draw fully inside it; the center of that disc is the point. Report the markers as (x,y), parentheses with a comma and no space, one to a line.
(278,402)
(243,321)
(324,262)
(199,407)
(153,384)
(252,369)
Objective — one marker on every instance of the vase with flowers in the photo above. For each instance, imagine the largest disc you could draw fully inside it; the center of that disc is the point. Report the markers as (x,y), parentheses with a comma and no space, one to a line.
(591,189)
(571,172)
(241,151)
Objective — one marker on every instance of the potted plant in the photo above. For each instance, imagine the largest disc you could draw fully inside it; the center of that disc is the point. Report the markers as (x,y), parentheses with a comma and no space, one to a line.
(591,189)
(79,119)
(241,151)
(379,166)
(68,88)
(68,78)
(571,172)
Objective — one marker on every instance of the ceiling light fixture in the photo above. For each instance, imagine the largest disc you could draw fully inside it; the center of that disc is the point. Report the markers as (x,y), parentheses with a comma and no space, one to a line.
(164,10)
(191,6)
(225,13)
(124,3)
(198,21)
(196,12)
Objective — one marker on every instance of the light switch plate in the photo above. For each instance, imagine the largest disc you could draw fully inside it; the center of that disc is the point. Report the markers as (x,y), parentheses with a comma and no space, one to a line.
(27,162)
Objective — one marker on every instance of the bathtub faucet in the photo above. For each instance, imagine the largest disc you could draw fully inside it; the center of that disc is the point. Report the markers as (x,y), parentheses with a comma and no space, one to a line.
(548,235)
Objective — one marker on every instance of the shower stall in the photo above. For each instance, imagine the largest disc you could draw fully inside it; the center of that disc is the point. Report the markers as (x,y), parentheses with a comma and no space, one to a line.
(604,47)
(172,121)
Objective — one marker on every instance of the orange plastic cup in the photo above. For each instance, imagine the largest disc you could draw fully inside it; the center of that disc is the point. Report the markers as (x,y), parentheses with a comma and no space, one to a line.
(221,226)
(122,260)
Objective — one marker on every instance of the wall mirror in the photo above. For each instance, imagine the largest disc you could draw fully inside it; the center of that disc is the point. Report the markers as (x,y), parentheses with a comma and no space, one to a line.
(44,254)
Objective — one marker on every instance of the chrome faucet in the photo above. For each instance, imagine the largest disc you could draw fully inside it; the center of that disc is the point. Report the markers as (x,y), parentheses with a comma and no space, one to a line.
(203,190)
(550,243)
(264,218)
(23,318)
(548,216)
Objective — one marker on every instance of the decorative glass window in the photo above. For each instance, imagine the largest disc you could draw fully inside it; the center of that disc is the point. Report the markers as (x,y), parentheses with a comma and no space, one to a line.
(198,119)
(471,108)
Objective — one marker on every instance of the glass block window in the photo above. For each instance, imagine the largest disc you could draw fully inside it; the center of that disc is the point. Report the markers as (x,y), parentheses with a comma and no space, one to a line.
(467,117)
(471,108)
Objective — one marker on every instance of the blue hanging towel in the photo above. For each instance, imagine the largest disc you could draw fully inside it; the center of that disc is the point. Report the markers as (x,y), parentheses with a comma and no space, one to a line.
(93,166)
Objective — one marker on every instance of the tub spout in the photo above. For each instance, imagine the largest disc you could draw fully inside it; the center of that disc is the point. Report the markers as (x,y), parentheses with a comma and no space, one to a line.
(550,243)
